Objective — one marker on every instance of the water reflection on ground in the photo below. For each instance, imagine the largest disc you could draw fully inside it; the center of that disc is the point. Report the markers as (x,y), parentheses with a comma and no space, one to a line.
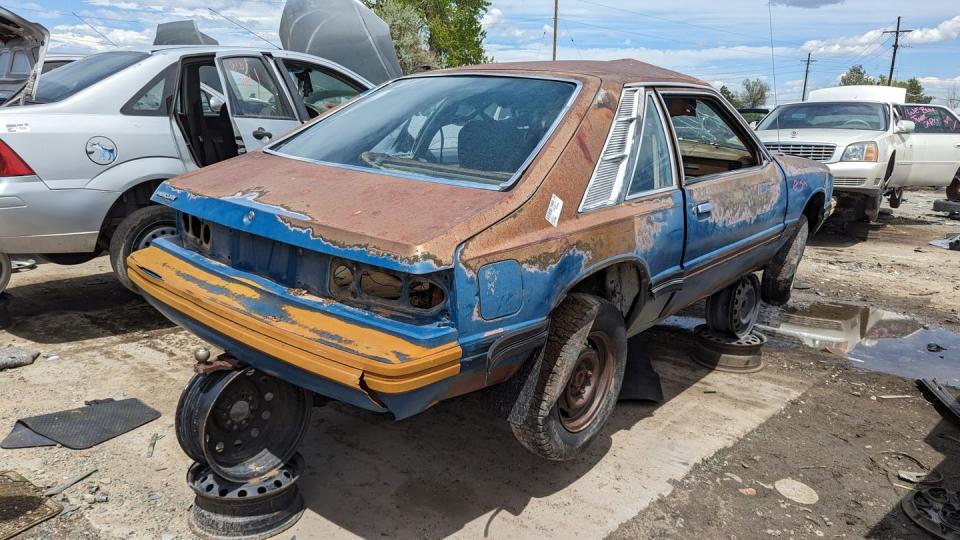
(873,338)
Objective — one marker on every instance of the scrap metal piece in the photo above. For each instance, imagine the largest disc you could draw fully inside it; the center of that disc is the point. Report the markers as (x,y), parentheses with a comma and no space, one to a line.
(940,393)
(935,510)
(951,242)
(60,488)
(344,31)
(23,505)
(182,33)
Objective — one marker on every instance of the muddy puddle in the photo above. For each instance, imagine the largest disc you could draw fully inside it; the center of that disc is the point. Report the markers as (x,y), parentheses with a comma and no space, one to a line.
(871,338)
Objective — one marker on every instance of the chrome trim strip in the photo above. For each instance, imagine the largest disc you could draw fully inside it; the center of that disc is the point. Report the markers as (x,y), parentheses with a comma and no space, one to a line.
(504,186)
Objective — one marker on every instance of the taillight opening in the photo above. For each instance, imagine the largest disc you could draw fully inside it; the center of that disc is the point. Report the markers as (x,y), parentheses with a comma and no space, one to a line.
(11,164)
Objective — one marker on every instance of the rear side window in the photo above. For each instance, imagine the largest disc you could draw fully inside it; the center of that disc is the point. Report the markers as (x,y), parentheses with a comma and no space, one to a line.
(709,140)
(72,78)
(653,169)
(155,97)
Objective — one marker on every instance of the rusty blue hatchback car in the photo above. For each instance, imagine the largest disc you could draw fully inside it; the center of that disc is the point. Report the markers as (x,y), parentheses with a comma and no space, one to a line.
(507,224)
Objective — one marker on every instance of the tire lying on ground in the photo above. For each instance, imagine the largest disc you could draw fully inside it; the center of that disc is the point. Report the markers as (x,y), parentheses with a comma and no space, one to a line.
(778,276)
(953,190)
(579,380)
(137,231)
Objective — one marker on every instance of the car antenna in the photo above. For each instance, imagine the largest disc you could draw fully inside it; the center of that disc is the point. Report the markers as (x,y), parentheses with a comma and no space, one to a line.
(229,20)
(94,28)
(773,67)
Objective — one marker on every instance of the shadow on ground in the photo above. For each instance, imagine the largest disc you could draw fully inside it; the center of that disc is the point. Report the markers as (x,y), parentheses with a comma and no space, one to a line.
(430,475)
(79,308)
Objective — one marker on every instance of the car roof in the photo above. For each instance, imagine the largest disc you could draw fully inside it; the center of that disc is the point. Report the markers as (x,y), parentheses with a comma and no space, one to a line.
(623,71)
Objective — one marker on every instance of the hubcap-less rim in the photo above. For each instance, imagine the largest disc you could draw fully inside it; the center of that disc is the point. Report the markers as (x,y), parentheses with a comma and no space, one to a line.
(150,235)
(744,305)
(589,384)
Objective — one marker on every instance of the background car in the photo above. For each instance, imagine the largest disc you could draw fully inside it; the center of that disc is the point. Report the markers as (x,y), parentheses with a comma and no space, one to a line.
(868,138)
(82,156)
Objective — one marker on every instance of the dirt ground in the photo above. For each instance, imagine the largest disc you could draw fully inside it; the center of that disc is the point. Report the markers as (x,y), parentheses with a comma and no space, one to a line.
(670,470)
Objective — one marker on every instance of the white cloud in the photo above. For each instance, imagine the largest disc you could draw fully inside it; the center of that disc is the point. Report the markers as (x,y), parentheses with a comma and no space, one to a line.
(492,17)
(945,31)
(80,37)
(810,4)
(868,41)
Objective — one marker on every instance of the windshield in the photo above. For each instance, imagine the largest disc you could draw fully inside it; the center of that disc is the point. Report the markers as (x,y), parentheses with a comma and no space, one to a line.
(66,81)
(474,129)
(862,116)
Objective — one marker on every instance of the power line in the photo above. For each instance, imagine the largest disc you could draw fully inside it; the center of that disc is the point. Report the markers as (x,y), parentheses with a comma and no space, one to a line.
(228,19)
(99,33)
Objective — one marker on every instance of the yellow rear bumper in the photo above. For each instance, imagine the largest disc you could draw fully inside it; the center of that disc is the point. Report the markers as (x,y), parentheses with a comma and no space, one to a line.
(350,354)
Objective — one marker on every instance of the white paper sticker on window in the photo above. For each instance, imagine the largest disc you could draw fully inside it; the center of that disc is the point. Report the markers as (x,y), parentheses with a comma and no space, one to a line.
(553,211)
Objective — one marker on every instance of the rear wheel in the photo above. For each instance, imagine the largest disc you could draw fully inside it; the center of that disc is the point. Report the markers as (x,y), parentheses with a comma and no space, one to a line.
(138,231)
(580,378)
(734,310)
(953,190)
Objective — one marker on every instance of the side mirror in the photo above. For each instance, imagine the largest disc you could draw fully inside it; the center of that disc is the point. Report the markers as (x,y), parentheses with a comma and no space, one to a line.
(753,125)
(905,126)
(215,104)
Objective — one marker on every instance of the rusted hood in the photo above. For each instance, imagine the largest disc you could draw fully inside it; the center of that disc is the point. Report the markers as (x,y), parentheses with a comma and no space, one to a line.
(413,224)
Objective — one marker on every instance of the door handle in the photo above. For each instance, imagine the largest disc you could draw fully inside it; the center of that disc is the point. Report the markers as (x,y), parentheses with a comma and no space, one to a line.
(261,134)
(703,209)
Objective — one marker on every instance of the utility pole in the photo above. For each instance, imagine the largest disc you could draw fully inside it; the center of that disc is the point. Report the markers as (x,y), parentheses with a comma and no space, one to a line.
(556,9)
(806,75)
(896,45)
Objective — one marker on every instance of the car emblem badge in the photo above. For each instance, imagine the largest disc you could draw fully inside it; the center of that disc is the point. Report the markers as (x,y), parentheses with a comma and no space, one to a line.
(794,134)
(101,150)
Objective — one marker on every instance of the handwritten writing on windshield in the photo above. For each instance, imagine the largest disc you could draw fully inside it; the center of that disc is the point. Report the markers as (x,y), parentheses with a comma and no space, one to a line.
(927,118)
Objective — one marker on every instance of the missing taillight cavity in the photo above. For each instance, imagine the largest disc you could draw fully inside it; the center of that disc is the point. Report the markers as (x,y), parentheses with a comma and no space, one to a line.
(12,164)
(424,294)
(342,280)
(381,285)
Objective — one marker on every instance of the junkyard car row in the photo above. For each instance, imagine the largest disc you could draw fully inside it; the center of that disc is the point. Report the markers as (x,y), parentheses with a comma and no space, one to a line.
(391,247)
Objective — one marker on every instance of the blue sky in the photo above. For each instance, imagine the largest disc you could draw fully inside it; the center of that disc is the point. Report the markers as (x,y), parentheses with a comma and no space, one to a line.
(722,41)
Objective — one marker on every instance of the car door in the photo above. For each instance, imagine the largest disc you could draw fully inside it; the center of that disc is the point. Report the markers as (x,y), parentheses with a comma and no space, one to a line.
(934,145)
(316,88)
(735,194)
(258,104)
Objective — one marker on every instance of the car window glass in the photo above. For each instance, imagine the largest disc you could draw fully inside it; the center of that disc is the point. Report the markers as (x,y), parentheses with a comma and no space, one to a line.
(253,90)
(21,63)
(709,144)
(827,115)
(151,99)
(653,169)
(319,89)
(480,130)
(950,122)
(926,119)
(70,79)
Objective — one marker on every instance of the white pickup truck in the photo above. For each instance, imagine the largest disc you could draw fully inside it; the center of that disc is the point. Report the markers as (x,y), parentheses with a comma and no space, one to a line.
(873,141)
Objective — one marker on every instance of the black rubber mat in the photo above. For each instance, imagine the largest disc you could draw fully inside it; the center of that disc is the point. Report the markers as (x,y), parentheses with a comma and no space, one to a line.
(91,425)
(24,437)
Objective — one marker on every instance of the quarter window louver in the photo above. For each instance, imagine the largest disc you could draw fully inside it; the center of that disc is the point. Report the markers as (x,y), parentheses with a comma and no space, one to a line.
(608,177)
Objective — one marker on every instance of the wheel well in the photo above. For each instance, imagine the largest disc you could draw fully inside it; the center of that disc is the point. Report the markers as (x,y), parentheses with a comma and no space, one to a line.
(621,283)
(131,200)
(814,211)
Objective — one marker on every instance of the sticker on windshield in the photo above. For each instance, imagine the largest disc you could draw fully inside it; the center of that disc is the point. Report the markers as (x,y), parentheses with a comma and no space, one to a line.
(101,150)
(553,211)
(22,127)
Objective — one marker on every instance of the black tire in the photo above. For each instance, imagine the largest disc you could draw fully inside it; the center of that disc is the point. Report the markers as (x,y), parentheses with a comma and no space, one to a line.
(896,197)
(6,270)
(733,310)
(136,231)
(778,276)
(953,190)
(68,259)
(577,327)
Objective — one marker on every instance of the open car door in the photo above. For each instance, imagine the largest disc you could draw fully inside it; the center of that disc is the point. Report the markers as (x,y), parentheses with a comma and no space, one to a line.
(24,45)
(258,103)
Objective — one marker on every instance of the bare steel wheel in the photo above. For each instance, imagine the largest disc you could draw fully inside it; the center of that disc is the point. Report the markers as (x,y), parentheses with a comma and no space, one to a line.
(734,309)
(589,384)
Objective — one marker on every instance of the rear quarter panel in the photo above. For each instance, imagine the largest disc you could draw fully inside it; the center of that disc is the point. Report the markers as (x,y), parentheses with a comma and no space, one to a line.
(805,179)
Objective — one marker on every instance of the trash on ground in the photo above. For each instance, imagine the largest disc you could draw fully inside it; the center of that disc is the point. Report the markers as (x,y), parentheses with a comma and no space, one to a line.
(951,242)
(894,397)
(796,491)
(63,486)
(82,427)
(14,357)
(22,505)
(940,393)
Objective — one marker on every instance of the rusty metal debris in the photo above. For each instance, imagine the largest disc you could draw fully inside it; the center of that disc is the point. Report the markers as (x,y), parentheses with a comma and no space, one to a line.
(22,505)
(63,486)
(936,510)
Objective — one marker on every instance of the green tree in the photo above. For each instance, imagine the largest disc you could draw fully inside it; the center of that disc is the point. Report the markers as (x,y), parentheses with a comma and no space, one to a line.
(409,32)
(730,96)
(915,93)
(754,93)
(450,28)
(856,75)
